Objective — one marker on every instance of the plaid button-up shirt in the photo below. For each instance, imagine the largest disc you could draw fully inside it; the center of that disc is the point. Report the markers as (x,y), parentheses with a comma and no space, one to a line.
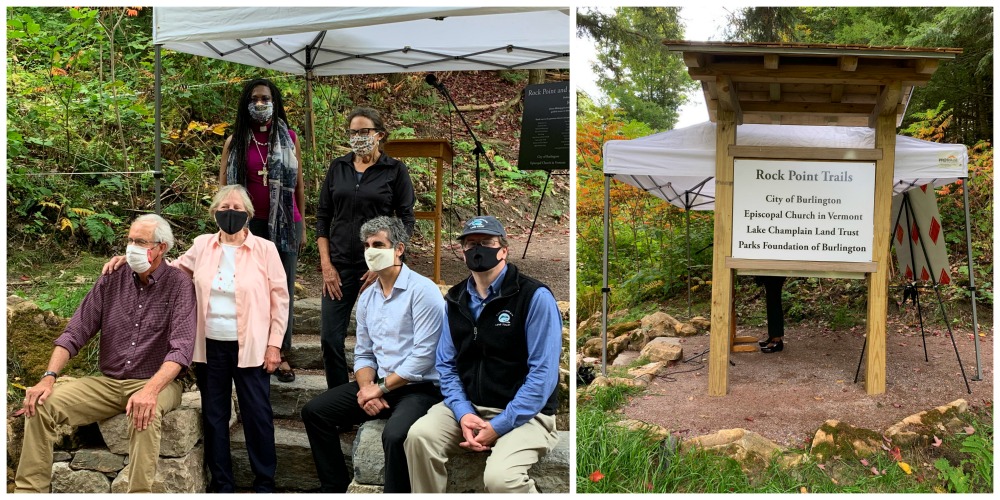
(141,326)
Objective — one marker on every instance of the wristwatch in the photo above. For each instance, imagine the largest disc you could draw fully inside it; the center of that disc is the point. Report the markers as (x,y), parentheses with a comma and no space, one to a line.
(382,387)
(54,375)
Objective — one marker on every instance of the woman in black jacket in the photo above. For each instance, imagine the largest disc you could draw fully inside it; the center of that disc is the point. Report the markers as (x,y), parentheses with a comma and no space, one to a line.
(359,186)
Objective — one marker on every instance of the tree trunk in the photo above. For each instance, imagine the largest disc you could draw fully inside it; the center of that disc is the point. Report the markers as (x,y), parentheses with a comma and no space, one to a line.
(536,76)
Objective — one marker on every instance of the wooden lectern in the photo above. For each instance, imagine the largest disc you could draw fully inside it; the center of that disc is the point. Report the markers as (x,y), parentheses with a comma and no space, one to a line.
(440,150)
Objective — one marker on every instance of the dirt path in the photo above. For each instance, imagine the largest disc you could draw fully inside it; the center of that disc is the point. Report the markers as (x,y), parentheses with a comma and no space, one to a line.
(786,396)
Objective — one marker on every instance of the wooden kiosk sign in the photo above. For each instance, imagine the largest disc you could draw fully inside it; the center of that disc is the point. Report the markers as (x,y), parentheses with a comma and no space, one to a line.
(798,211)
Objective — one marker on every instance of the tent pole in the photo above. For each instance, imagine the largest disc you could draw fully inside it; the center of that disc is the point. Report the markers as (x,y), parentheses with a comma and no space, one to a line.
(605,291)
(157,173)
(972,279)
(687,230)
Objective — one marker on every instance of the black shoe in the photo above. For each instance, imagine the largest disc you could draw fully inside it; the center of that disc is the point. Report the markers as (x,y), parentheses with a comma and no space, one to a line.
(763,343)
(773,347)
(286,376)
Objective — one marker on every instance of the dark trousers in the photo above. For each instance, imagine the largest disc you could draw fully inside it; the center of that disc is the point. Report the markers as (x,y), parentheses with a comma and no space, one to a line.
(775,315)
(339,407)
(334,320)
(253,391)
(258,227)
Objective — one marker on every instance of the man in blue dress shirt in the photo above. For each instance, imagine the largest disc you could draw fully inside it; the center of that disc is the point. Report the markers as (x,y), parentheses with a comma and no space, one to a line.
(498,358)
(399,320)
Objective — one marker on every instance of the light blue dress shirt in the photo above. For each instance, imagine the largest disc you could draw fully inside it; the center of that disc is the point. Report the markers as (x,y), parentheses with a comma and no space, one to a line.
(543,330)
(398,334)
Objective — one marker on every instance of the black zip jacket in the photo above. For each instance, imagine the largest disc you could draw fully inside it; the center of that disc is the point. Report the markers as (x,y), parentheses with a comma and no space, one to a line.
(345,204)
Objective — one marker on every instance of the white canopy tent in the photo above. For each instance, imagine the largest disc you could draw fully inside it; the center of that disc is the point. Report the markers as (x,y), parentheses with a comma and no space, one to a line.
(341,40)
(679,167)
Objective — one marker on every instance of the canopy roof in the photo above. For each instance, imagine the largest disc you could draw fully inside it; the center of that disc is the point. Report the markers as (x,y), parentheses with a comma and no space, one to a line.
(679,165)
(337,41)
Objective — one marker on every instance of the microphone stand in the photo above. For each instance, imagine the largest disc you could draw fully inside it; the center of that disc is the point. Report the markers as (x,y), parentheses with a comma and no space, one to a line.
(478,150)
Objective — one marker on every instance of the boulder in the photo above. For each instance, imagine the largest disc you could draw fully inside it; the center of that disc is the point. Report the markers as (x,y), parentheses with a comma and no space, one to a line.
(624,358)
(97,459)
(839,438)
(621,313)
(617,345)
(648,371)
(563,309)
(288,399)
(920,428)
(740,444)
(701,323)
(602,381)
(67,480)
(685,329)
(369,459)
(658,324)
(662,349)
(655,432)
(356,487)
(185,474)
(592,347)
(308,315)
(179,432)
(621,328)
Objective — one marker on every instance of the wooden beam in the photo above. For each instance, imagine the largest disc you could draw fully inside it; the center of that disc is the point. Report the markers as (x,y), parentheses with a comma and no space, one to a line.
(775,92)
(786,153)
(809,74)
(927,66)
(886,102)
(790,265)
(878,282)
(722,276)
(771,61)
(848,63)
(836,93)
(694,59)
(728,98)
(807,108)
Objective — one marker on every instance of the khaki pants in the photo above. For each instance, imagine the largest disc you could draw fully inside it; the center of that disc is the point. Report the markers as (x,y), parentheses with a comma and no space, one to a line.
(85,401)
(435,437)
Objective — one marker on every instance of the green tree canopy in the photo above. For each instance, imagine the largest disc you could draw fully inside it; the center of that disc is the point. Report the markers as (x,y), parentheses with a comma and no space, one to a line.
(640,77)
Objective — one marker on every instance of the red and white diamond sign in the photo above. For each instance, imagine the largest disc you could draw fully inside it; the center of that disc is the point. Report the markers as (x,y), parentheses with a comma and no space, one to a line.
(918,230)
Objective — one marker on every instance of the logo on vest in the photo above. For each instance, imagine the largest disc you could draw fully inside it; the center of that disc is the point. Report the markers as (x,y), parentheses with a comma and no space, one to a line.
(504,317)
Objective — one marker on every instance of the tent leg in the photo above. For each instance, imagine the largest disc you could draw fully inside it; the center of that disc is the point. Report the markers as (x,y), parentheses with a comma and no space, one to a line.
(157,173)
(972,280)
(687,231)
(605,291)
(311,118)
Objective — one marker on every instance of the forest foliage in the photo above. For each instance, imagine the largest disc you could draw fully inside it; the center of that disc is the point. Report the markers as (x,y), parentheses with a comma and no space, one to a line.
(80,116)
(647,240)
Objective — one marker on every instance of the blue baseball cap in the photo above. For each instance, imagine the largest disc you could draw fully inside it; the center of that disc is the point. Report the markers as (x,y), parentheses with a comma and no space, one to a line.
(483,224)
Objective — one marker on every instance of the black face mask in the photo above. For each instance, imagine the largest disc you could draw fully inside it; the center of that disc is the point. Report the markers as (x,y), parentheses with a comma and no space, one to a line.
(480,258)
(231,221)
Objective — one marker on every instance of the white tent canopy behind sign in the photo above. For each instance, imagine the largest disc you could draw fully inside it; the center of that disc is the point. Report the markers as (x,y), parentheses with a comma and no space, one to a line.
(679,165)
(340,41)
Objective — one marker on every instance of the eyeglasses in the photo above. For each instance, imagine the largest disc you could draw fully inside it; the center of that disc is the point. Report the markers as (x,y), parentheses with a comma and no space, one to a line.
(488,243)
(361,131)
(262,99)
(140,242)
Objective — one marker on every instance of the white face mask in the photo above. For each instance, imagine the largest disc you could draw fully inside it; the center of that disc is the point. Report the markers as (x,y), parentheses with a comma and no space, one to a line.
(363,145)
(137,258)
(380,258)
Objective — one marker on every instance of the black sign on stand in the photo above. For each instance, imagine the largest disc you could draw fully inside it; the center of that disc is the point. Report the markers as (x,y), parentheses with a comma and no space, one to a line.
(545,141)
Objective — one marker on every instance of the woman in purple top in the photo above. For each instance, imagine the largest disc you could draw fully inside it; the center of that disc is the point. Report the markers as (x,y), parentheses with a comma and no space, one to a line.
(263,156)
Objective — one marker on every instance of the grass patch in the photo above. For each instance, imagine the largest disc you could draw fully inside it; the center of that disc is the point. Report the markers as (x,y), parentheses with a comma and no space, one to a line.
(612,459)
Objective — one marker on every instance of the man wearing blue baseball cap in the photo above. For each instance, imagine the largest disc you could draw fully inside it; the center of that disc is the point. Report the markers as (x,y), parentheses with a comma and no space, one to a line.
(498,357)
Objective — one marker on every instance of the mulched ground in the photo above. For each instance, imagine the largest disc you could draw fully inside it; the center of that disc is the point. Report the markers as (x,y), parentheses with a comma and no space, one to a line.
(786,396)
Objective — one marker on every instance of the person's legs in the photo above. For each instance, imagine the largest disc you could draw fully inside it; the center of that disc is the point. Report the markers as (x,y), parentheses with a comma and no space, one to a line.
(144,445)
(76,402)
(775,316)
(336,316)
(515,452)
(215,381)
(323,416)
(431,440)
(407,404)
(253,392)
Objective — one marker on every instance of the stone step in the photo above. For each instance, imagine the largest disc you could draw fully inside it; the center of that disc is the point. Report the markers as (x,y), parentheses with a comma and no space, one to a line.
(287,399)
(308,313)
(307,352)
(465,470)
(296,469)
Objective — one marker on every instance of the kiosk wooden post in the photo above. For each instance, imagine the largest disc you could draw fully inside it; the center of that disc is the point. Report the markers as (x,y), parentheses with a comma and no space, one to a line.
(440,150)
(722,275)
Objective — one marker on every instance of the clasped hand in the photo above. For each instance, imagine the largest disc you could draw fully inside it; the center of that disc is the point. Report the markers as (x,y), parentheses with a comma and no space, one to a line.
(370,400)
(478,433)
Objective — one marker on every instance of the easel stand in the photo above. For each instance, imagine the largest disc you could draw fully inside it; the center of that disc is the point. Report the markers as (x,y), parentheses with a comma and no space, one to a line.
(479,151)
(538,209)
(911,221)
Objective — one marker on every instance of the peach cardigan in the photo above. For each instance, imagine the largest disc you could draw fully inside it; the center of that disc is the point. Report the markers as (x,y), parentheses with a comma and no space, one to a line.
(261,294)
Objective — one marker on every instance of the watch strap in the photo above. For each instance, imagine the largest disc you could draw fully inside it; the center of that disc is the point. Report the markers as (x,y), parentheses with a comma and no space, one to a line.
(382,387)
(52,373)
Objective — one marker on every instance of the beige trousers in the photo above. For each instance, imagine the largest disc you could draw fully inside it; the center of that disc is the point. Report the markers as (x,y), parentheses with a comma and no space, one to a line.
(85,401)
(435,437)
